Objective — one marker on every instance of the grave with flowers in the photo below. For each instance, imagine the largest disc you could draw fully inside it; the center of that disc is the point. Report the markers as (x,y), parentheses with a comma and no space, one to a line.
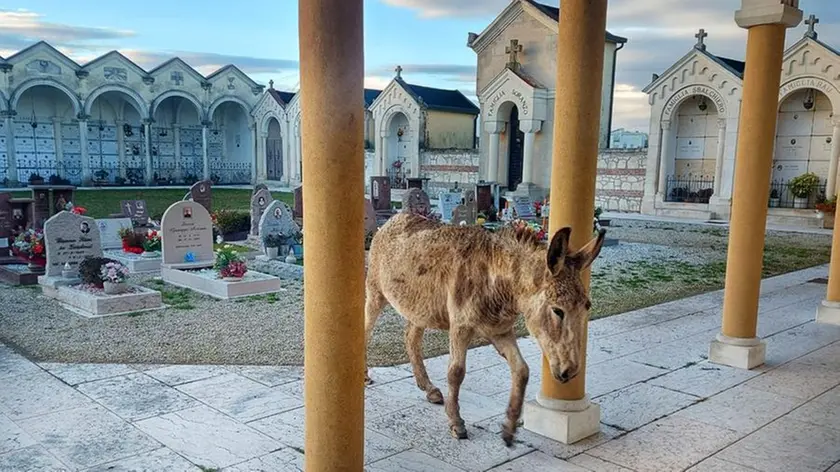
(80,279)
(138,248)
(29,252)
(189,260)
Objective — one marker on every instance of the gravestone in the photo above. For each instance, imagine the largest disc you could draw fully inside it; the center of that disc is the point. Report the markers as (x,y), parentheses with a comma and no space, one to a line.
(259,202)
(484,199)
(201,194)
(370,218)
(70,238)
(259,187)
(448,202)
(469,202)
(415,201)
(461,214)
(109,231)
(186,228)
(6,226)
(61,197)
(380,193)
(135,210)
(298,212)
(278,219)
(523,206)
(40,208)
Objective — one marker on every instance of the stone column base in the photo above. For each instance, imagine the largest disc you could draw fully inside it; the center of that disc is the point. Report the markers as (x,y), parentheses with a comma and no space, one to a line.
(720,208)
(828,313)
(737,352)
(561,420)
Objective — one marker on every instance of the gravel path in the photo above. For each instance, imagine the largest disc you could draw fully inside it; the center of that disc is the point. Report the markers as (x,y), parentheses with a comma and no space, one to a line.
(654,262)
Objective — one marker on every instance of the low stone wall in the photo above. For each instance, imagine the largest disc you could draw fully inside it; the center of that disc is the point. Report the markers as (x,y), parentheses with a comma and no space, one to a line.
(621,179)
(368,168)
(447,167)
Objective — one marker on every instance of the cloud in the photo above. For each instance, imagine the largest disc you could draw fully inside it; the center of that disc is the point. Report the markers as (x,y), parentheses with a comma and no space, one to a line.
(207,62)
(21,28)
(451,8)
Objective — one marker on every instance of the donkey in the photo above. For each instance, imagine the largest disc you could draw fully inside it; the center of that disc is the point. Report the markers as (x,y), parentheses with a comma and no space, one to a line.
(473,282)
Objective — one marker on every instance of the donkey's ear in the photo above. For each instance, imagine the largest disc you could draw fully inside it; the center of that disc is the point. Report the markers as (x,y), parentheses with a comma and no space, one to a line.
(585,256)
(558,249)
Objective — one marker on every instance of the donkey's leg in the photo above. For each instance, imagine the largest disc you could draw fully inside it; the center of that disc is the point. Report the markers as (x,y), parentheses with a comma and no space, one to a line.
(374,303)
(459,341)
(509,349)
(414,347)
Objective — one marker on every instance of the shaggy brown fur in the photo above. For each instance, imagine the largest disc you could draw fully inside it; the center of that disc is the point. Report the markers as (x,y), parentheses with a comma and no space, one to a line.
(476,283)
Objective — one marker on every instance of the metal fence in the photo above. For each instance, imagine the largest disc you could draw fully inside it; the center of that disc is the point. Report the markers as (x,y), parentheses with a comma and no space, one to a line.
(230,173)
(398,177)
(689,189)
(781,196)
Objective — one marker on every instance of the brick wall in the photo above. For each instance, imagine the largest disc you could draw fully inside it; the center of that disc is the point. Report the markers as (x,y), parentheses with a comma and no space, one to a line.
(621,179)
(445,168)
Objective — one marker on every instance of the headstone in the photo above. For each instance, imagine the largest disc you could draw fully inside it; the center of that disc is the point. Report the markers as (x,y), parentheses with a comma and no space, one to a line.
(136,210)
(448,202)
(186,228)
(259,202)
(298,212)
(461,215)
(70,238)
(277,219)
(370,218)
(380,193)
(61,197)
(40,208)
(7,224)
(201,193)
(416,201)
(469,202)
(259,187)
(523,207)
(109,231)
(484,197)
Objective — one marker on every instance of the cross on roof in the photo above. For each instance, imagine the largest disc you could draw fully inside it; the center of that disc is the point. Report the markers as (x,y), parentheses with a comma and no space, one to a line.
(271,84)
(812,23)
(513,50)
(701,35)
(399,70)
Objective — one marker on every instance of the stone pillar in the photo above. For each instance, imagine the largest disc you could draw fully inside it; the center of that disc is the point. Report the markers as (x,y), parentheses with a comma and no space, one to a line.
(331,70)
(205,155)
(563,412)
(120,148)
(147,125)
(83,144)
(765,20)
(530,128)
(176,140)
(255,160)
(262,156)
(59,150)
(11,155)
(664,160)
(831,185)
(383,164)
(721,147)
(494,128)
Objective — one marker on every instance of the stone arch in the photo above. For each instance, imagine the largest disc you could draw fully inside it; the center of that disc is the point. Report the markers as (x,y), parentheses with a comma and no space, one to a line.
(136,100)
(229,98)
(265,120)
(511,144)
(177,93)
(28,84)
(679,96)
(820,84)
(413,146)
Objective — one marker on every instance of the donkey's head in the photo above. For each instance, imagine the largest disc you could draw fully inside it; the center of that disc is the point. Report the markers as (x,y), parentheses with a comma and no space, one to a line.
(560,311)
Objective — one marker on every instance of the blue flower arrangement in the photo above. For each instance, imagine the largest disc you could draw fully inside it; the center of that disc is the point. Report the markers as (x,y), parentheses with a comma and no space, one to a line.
(189,257)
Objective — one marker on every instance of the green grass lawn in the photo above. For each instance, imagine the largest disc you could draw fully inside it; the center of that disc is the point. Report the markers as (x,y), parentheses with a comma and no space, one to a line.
(100,203)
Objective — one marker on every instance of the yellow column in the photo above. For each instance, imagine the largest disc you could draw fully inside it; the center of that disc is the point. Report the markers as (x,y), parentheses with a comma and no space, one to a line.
(332,75)
(563,411)
(829,310)
(766,20)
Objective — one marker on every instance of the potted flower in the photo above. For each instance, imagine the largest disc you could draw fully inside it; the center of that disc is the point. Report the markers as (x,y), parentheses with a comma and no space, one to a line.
(229,263)
(76,210)
(29,245)
(36,179)
(152,244)
(481,218)
(131,241)
(232,225)
(273,242)
(802,187)
(114,276)
(774,198)
(828,206)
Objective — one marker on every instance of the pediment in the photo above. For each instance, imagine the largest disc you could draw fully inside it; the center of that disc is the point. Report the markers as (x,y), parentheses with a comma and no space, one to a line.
(231,79)
(267,104)
(811,57)
(42,51)
(517,88)
(395,95)
(114,67)
(695,68)
(175,72)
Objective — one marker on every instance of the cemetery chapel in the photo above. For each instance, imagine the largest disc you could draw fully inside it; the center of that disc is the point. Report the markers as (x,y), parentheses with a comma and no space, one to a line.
(516,69)
(695,112)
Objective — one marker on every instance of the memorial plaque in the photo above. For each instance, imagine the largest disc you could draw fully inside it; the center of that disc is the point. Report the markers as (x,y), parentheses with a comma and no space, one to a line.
(461,216)
(201,194)
(415,201)
(187,235)
(109,231)
(380,193)
(298,212)
(690,148)
(61,197)
(448,202)
(793,148)
(259,202)
(70,238)
(523,207)
(484,197)
(136,210)
(277,219)
(783,171)
(469,202)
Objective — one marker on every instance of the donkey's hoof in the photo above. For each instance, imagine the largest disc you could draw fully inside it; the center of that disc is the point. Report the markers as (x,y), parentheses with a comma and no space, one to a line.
(368,380)
(434,396)
(507,436)
(458,431)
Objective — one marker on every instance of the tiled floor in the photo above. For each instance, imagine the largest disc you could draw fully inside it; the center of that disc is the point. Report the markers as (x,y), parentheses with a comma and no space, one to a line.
(664,407)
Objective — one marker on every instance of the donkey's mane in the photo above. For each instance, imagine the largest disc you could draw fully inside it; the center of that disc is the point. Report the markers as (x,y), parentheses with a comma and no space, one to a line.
(522,235)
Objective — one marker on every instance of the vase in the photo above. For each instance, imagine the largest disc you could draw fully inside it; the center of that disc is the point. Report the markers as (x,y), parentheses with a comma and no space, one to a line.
(150,254)
(800,202)
(33,267)
(774,202)
(272,252)
(114,288)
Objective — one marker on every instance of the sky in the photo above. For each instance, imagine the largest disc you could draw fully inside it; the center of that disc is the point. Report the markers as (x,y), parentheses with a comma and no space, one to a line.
(426,37)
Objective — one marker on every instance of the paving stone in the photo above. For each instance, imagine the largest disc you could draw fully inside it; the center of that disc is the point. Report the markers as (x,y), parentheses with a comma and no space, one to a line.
(610,376)
(136,396)
(491,380)
(797,342)
(742,409)
(474,407)
(677,354)
(161,459)
(410,461)
(239,397)
(782,319)
(270,376)
(704,379)
(596,465)
(12,437)
(823,410)
(714,464)
(422,428)
(391,397)
(835,468)
(796,380)
(550,446)
(38,394)
(75,374)
(786,445)
(85,437)
(638,405)
(30,459)
(180,374)
(208,438)
(538,462)
(647,337)
(284,460)
(478,358)
(670,444)
(14,366)
(827,357)
(386,375)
